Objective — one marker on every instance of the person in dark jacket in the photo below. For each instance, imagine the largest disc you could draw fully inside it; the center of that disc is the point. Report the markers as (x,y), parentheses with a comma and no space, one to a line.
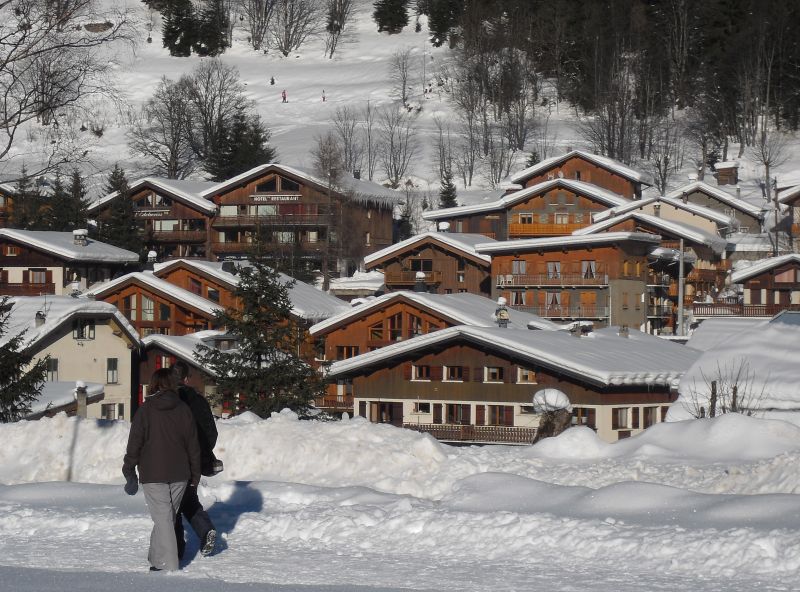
(163,445)
(191,507)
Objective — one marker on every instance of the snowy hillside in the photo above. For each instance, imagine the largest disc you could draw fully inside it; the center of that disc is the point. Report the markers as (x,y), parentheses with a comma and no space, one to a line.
(704,505)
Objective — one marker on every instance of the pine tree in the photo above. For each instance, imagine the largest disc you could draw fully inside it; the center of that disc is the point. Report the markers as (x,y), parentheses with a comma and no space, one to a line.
(26,204)
(20,382)
(179,29)
(390,15)
(244,144)
(447,194)
(212,26)
(264,369)
(51,212)
(120,228)
(76,208)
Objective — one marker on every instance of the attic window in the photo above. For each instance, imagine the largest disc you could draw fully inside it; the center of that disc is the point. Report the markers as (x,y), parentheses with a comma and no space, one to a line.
(11,250)
(83,329)
(289,185)
(268,186)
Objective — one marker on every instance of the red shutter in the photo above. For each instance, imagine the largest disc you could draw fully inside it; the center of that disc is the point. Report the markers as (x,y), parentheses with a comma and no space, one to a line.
(465,373)
(591,418)
(508,415)
(477,375)
(158,362)
(48,277)
(480,415)
(436,372)
(466,414)
(437,413)
(614,419)
(407,371)
(635,422)
(25,276)
(508,373)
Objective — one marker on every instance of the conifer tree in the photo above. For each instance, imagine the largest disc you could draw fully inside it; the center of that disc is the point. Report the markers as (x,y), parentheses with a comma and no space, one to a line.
(120,228)
(264,368)
(20,382)
(244,144)
(66,207)
(26,204)
(447,194)
(390,15)
(211,26)
(179,29)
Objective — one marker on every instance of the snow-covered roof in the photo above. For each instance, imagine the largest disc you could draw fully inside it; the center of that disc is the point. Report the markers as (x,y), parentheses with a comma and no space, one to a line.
(190,192)
(8,188)
(182,346)
(603,358)
(749,243)
(728,164)
(57,310)
(581,188)
(570,240)
(698,210)
(789,196)
(717,193)
(601,161)
(758,267)
(178,294)
(691,233)
(461,309)
(360,280)
(458,241)
(715,331)
(787,179)
(60,394)
(62,244)
(211,268)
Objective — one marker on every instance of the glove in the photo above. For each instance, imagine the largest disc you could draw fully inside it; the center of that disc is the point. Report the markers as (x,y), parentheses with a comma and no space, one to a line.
(132,485)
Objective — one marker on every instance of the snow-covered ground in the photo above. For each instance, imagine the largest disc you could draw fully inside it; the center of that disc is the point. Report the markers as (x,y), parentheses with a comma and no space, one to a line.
(709,505)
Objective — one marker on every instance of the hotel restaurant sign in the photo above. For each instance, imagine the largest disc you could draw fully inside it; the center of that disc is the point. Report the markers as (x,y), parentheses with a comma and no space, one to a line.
(271,198)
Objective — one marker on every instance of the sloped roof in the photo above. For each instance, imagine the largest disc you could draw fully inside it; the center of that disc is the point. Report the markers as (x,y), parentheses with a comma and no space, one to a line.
(759,267)
(57,311)
(601,358)
(791,195)
(178,294)
(695,209)
(691,233)
(182,346)
(461,309)
(62,244)
(601,161)
(717,193)
(586,189)
(570,240)
(458,241)
(189,192)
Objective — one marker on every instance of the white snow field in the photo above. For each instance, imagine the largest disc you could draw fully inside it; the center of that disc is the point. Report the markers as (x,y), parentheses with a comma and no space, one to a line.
(703,505)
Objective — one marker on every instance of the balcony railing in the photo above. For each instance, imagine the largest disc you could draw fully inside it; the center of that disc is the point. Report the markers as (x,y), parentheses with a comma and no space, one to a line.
(179,236)
(473,433)
(740,310)
(283,220)
(659,311)
(564,279)
(517,229)
(334,402)
(566,312)
(410,277)
(703,275)
(26,289)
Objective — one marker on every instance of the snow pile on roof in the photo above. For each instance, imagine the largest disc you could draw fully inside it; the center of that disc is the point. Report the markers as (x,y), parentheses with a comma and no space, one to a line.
(360,280)
(57,310)
(602,161)
(189,192)
(459,241)
(761,361)
(62,244)
(60,394)
(550,399)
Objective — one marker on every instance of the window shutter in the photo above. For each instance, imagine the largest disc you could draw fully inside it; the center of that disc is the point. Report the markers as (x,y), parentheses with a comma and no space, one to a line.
(48,276)
(158,362)
(407,371)
(25,276)
(508,373)
(466,415)
(465,373)
(437,413)
(477,375)
(436,372)
(480,415)
(508,415)
(664,412)
(614,419)
(591,418)
(4,276)
(362,408)
(635,422)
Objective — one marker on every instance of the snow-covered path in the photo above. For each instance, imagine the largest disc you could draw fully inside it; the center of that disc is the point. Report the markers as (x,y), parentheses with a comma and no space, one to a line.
(354,506)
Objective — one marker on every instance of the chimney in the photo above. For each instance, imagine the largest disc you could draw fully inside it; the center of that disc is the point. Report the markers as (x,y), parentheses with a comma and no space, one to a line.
(152,257)
(684,197)
(80,397)
(501,313)
(40,318)
(80,237)
(623,331)
(657,210)
(419,282)
(444,226)
(356,173)
(738,192)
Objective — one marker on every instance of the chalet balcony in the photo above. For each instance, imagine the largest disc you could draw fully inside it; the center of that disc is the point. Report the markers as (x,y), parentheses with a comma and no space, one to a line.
(703,310)
(26,289)
(563,280)
(334,403)
(179,236)
(232,247)
(703,275)
(518,229)
(248,221)
(473,433)
(660,311)
(398,278)
(567,312)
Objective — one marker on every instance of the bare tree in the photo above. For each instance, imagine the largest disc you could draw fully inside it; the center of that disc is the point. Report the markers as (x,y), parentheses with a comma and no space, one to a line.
(259,16)
(732,387)
(666,153)
(327,158)
(293,22)
(500,156)
(703,129)
(543,140)
(49,63)
(398,143)
(345,122)
(400,71)
(444,148)
(371,139)
(161,134)
(770,151)
(338,14)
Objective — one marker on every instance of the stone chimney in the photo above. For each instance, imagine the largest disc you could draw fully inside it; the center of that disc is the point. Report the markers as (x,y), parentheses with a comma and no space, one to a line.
(623,331)
(419,282)
(738,192)
(80,237)
(40,318)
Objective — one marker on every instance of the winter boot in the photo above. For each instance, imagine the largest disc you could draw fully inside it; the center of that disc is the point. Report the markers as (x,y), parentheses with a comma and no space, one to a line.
(208,543)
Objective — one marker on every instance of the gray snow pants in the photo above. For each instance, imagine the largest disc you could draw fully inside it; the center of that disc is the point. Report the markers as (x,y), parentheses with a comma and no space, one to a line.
(163,501)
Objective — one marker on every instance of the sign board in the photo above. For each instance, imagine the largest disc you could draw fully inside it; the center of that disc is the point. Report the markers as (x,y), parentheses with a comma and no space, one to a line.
(268,198)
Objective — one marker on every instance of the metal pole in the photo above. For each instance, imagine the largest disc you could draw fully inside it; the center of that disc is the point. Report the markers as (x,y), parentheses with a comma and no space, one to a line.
(681,287)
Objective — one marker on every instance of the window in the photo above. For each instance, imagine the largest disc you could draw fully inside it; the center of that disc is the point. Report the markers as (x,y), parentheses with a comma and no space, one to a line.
(588,269)
(52,369)
(289,185)
(284,236)
(577,175)
(129,307)
(312,236)
(37,276)
(148,308)
(268,186)
(527,410)
(518,267)
(228,210)
(367,239)
(460,226)
(493,374)
(583,416)
(650,416)
(422,407)
(553,299)
(421,372)
(213,294)
(344,388)
(526,218)
(458,414)
(421,265)
(108,411)
(415,325)
(517,298)
(164,312)
(396,327)
(166,225)
(454,373)
(620,418)
(625,300)
(553,269)
(263,210)
(561,218)
(501,415)
(460,277)
(376,332)
(11,250)
(195,287)
(526,376)
(344,352)
(112,373)
(83,329)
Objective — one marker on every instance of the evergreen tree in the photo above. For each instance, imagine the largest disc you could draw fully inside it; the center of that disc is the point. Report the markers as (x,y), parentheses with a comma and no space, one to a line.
(264,369)
(120,228)
(76,208)
(244,144)
(20,382)
(443,16)
(66,208)
(533,159)
(447,194)
(212,26)
(26,204)
(51,214)
(179,28)
(391,15)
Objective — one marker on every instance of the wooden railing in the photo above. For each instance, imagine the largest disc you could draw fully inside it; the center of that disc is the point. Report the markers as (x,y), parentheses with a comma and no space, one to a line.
(473,433)
(26,289)
(410,277)
(334,402)
(566,312)
(740,310)
(517,229)
(283,220)
(564,279)
(179,236)
(704,275)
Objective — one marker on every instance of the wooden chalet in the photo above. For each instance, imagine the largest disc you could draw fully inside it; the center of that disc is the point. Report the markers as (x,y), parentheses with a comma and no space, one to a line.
(769,287)
(447,261)
(301,218)
(7,192)
(154,305)
(727,173)
(791,198)
(588,168)
(746,217)
(476,384)
(34,262)
(595,277)
(551,208)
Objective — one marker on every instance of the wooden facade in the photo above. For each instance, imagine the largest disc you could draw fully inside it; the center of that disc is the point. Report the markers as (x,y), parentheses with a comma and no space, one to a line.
(6,203)
(193,279)
(746,217)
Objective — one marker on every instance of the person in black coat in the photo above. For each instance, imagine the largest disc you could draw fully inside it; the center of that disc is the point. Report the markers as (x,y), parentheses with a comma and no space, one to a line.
(190,507)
